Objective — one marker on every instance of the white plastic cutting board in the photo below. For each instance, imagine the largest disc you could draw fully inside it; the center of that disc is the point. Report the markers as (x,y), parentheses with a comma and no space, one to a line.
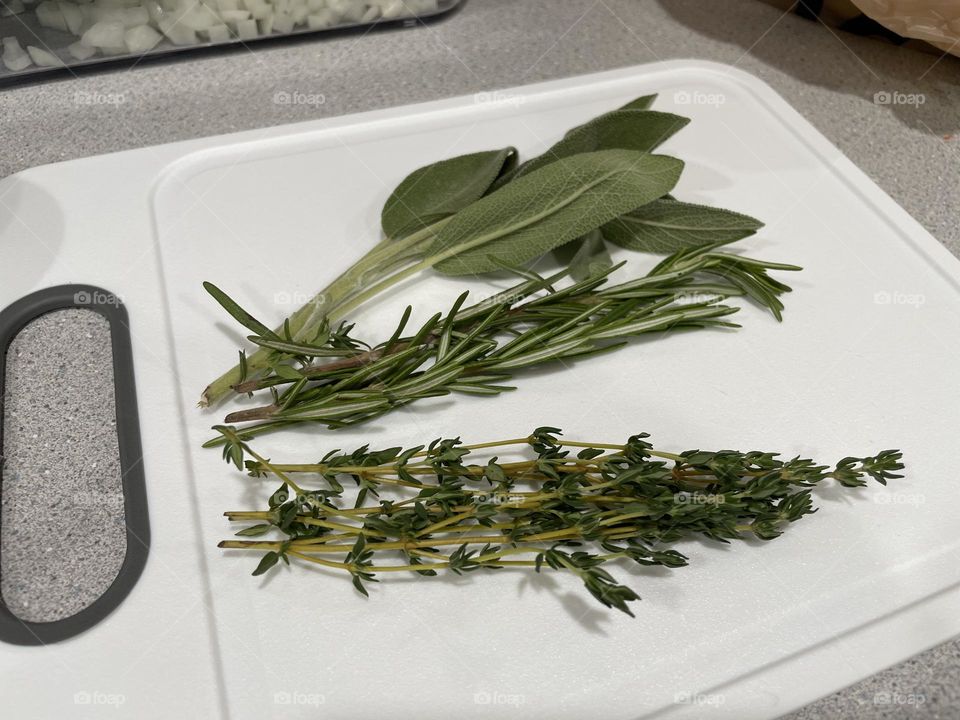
(865,360)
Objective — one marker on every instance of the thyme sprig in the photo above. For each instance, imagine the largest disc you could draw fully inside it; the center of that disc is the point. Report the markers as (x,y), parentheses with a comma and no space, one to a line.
(336,380)
(568,506)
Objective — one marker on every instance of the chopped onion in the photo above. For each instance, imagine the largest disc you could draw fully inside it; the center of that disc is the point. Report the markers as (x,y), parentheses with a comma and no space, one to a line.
(347,10)
(395,9)
(79,51)
(135,16)
(259,10)
(114,27)
(141,38)
(176,33)
(199,17)
(155,11)
(72,16)
(322,19)
(283,23)
(104,34)
(49,16)
(14,56)
(232,17)
(11,7)
(44,58)
(216,33)
(247,29)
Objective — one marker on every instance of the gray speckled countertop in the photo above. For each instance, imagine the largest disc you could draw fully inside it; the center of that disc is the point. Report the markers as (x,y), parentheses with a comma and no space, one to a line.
(911,150)
(62,550)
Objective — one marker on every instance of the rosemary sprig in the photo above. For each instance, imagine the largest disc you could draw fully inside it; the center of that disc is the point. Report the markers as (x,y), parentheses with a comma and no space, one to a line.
(477,349)
(569,512)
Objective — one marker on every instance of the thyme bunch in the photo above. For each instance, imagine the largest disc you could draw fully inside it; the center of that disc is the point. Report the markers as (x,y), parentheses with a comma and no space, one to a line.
(568,506)
(336,380)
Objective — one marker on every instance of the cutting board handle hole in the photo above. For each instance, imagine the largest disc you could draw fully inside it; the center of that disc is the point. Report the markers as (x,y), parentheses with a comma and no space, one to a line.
(74,529)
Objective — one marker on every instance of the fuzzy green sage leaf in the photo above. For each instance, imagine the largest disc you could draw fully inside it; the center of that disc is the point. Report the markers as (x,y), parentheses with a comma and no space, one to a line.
(436,191)
(549,207)
(665,226)
(624,129)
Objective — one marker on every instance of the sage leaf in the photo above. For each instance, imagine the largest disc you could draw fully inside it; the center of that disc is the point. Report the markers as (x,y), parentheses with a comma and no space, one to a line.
(585,257)
(645,102)
(549,207)
(665,226)
(641,130)
(441,189)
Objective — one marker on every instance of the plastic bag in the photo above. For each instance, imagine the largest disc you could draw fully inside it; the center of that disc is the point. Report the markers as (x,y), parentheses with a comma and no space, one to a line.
(934,21)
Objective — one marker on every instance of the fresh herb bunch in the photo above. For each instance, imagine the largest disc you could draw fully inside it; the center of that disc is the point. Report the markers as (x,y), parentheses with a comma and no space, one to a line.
(472,214)
(336,380)
(568,512)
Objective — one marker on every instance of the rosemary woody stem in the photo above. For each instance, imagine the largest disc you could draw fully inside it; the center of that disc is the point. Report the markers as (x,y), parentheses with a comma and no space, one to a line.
(326,306)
